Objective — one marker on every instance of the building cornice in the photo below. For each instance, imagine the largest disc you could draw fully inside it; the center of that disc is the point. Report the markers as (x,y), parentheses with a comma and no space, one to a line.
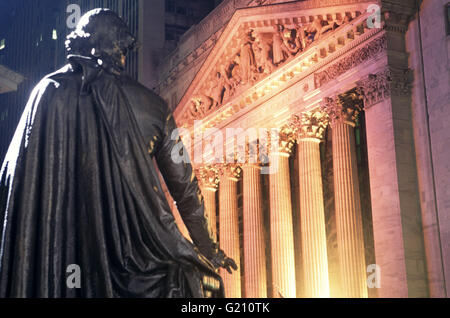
(208,33)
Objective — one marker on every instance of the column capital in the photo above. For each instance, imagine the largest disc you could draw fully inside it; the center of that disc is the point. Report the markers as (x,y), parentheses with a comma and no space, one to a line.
(388,82)
(287,140)
(249,155)
(343,108)
(231,171)
(310,125)
(208,177)
(397,14)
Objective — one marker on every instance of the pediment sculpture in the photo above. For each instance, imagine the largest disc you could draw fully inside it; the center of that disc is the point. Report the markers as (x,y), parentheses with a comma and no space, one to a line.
(261,51)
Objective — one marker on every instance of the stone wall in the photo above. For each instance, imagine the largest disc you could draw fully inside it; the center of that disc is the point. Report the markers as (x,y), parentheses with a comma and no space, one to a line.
(431,112)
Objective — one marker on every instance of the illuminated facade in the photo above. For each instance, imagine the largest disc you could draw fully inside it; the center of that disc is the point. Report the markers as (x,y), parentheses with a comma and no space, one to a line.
(358,204)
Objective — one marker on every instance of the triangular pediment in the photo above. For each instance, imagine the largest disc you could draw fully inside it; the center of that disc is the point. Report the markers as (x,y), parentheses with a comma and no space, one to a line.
(255,45)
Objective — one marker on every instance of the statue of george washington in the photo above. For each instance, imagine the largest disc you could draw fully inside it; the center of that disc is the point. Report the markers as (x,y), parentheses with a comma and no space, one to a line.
(79,186)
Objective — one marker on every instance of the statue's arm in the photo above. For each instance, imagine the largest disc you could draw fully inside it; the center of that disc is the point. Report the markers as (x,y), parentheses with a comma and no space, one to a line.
(183,187)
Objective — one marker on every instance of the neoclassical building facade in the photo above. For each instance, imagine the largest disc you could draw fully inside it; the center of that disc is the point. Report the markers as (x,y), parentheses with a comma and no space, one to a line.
(342,197)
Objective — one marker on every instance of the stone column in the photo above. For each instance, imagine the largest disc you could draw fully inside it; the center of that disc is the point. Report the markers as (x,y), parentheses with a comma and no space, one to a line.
(281,227)
(343,112)
(254,243)
(229,227)
(397,219)
(209,183)
(311,127)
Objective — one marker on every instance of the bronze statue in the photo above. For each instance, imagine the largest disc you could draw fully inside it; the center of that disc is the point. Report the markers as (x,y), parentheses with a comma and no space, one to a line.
(79,186)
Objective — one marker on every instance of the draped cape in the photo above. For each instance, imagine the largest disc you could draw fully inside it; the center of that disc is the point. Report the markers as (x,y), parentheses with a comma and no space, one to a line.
(79,187)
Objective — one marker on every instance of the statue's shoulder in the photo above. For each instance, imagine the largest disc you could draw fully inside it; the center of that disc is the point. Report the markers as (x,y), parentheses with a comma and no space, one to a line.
(62,79)
(56,83)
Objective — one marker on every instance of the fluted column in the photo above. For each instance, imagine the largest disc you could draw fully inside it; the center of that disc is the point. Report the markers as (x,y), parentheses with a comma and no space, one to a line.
(229,227)
(209,183)
(254,244)
(343,112)
(398,220)
(281,227)
(311,126)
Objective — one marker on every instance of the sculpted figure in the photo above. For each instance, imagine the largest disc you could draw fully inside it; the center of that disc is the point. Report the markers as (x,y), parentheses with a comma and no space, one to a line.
(300,37)
(212,97)
(316,29)
(79,188)
(291,41)
(222,87)
(228,84)
(280,51)
(263,58)
(247,59)
(200,105)
(236,71)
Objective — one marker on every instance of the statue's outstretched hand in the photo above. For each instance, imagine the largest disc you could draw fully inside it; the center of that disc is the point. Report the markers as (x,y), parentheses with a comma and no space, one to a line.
(221,260)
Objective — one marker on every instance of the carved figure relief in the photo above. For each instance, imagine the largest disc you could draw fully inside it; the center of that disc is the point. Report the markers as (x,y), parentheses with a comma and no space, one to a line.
(261,50)
(247,59)
(280,50)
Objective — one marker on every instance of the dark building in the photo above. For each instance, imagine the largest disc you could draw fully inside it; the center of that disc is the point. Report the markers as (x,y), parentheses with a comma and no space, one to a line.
(180,16)
(33,47)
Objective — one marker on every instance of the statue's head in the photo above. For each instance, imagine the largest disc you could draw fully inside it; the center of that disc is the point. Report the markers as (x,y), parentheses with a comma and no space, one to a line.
(102,36)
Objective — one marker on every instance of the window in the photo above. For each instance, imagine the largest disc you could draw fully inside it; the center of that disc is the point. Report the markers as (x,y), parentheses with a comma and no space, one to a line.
(55,35)
(2,44)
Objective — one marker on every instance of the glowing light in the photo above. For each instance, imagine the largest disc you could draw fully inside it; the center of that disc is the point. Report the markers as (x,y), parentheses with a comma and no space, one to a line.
(55,35)
(2,44)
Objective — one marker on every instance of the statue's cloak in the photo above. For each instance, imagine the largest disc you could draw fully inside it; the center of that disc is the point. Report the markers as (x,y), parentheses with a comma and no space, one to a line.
(79,187)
